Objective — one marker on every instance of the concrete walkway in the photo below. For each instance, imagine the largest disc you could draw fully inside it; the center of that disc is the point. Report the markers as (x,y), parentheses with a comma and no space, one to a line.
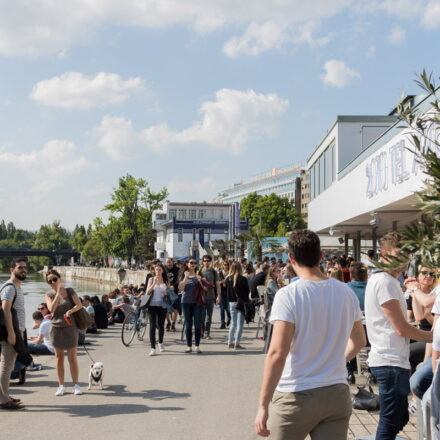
(212,395)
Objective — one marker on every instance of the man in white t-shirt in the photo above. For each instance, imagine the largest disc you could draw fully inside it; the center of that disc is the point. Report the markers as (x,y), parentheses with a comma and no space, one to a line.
(389,333)
(41,344)
(317,327)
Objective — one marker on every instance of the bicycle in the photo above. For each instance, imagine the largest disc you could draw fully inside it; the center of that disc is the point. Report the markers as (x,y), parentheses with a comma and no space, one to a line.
(134,322)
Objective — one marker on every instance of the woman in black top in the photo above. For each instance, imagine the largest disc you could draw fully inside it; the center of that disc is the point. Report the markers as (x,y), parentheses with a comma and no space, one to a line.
(237,289)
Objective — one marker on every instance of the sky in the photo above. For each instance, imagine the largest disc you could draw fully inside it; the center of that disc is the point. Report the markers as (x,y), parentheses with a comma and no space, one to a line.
(192,95)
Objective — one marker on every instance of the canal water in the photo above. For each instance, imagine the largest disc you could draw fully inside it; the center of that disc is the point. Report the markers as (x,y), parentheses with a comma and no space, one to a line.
(35,288)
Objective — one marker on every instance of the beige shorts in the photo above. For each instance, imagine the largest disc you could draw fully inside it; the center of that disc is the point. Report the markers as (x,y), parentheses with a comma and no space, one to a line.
(323,413)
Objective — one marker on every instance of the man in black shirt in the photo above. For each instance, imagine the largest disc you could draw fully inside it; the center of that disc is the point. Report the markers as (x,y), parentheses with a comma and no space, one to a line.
(259,280)
(172,272)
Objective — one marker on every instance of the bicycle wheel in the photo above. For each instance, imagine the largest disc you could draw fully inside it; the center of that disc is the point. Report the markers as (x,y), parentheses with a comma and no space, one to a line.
(143,322)
(128,329)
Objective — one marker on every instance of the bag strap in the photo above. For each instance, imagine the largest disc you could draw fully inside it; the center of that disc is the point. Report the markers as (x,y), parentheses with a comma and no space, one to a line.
(15,288)
(69,294)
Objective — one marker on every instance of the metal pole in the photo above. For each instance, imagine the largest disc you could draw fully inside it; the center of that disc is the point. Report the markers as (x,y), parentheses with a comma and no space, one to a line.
(358,250)
(346,238)
(374,239)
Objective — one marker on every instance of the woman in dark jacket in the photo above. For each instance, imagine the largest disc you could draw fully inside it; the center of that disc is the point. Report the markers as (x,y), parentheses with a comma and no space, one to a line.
(238,292)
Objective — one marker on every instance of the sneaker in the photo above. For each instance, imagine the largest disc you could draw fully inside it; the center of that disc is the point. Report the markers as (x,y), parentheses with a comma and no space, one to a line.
(239,347)
(223,326)
(77,390)
(197,350)
(208,336)
(228,323)
(179,321)
(412,407)
(173,329)
(188,350)
(230,345)
(60,391)
(153,352)
(161,347)
(168,327)
(351,379)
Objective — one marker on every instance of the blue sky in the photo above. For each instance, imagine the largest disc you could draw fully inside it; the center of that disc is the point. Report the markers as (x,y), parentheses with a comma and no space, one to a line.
(193,95)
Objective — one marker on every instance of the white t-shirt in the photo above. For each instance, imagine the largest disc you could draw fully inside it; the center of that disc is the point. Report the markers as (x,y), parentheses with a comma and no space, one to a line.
(387,347)
(44,331)
(436,307)
(323,313)
(436,337)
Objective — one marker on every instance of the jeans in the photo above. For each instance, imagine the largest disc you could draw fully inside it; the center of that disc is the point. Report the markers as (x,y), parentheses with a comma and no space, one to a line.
(224,307)
(192,314)
(393,395)
(40,349)
(420,381)
(207,311)
(237,320)
(156,317)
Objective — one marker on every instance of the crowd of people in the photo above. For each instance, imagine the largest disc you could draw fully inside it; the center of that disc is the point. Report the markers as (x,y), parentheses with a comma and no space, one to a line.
(319,310)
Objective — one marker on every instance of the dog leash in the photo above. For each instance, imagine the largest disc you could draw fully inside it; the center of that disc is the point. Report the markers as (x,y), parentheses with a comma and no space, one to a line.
(88,354)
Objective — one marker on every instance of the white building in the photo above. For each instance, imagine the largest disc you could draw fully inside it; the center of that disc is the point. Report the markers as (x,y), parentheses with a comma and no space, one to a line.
(363,177)
(189,229)
(281,181)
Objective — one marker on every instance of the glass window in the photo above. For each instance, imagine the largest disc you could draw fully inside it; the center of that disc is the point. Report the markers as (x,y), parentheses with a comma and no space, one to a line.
(181,215)
(211,213)
(172,213)
(321,174)
(327,168)
(193,214)
(333,147)
(180,235)
(221,214)
(312,177)
(202,213)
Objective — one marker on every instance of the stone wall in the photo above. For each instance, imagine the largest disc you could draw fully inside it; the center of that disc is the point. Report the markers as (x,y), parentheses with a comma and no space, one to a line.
(102,275)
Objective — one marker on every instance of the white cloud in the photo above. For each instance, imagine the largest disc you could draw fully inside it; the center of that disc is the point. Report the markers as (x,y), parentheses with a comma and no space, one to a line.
(396,36)
(228,124)
(44,26)
(431,15)
(46,168)
(259,38)
(76,90)
(338,74)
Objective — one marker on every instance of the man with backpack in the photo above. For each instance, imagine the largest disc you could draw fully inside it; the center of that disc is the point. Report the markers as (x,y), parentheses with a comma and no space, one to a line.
(211,276)
(12,301)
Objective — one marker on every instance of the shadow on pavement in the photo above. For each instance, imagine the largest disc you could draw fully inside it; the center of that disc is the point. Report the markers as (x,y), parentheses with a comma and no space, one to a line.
(95,411)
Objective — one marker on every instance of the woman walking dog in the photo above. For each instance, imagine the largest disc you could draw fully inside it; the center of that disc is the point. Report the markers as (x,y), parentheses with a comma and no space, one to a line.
(63,332)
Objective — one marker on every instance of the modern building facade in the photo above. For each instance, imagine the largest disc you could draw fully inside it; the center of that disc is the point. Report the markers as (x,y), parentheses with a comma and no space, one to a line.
(281,181)
(190,229)
(363,176)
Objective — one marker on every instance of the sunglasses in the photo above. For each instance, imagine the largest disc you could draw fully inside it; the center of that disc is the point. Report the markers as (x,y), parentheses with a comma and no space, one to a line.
(41,308)
(52,280)
(426,273)
(22,267)
(192,262)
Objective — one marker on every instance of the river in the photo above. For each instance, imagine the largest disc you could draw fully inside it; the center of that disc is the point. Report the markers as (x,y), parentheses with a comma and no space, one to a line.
(35,287)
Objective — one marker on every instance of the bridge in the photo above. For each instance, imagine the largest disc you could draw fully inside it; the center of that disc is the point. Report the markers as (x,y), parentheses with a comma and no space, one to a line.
(55,255)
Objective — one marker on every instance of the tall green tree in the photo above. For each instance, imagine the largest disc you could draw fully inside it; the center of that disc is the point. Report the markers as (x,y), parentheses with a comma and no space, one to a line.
(131,209)
(279,215)
(52,236)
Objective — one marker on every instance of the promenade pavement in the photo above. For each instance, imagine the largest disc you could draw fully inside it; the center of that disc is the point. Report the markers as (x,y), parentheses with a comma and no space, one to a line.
(212,395)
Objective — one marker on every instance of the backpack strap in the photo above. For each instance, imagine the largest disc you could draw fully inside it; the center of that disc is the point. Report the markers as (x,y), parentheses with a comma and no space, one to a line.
(15,288)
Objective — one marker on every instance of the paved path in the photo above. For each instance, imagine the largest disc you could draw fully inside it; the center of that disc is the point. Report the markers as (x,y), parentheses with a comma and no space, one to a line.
(173,395)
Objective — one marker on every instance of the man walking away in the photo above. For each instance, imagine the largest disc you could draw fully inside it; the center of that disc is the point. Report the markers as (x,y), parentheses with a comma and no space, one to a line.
(389,334)
(317,327)
(12,297)
(210,275)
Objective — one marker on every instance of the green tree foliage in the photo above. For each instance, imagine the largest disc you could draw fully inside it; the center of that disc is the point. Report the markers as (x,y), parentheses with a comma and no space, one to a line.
(279,215)
(131,210)
(257,241)
(52,236)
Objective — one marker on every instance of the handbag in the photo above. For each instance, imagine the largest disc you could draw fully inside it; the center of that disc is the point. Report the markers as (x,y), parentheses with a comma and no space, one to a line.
(82,319)
(366,399)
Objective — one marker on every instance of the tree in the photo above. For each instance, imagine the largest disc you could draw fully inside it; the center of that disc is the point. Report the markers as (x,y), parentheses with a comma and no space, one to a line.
(421,238)
(133,203)
(223,247)
(52,236)
(279,215)
(257,241)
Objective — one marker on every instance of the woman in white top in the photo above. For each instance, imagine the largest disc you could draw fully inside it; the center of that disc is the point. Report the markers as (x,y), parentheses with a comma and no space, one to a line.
(157,286)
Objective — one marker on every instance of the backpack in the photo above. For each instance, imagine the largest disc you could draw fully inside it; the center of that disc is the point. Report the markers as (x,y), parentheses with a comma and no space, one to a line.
(3,331)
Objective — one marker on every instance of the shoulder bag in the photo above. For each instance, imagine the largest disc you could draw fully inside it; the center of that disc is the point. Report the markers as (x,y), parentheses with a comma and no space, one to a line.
(366,399)
(82,318)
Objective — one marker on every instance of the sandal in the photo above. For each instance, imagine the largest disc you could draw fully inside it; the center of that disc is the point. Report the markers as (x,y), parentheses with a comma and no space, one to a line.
(11,405)
(14,400)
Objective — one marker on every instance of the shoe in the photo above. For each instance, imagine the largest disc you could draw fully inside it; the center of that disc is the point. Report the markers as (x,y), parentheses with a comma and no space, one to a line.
(179,321)
(223,326)
(188,350)
(161,347)
(230,345)
(152,352)
(60,391)
(14,400)
(350,378)
(198,351)
(412,407)
(22,378)
(168,327)
(208,337)
(77,390)
(228,323)
(11,405)
(239,347)
(173,328)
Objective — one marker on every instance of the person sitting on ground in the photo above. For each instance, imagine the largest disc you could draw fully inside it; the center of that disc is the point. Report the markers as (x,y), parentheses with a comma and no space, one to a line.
(40,344)
(105,301)
(42,308)
(91,311)
(126,307)
(101,319)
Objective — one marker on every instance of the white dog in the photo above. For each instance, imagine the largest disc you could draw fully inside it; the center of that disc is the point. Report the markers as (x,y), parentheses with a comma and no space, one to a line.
(96,374)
